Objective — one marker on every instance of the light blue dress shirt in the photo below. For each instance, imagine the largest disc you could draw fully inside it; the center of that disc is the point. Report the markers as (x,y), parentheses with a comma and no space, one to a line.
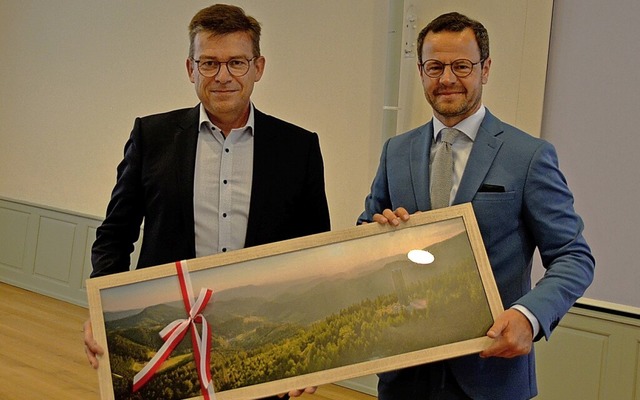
(222,186)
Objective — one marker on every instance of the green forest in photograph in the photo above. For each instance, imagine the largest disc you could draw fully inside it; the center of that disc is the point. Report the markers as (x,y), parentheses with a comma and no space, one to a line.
(265,335)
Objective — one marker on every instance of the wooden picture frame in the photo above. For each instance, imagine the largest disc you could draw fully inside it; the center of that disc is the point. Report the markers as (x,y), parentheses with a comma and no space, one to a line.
(307,311)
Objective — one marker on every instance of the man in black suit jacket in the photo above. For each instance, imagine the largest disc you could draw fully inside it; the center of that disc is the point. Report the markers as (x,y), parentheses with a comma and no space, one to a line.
(216,177)
(156,182)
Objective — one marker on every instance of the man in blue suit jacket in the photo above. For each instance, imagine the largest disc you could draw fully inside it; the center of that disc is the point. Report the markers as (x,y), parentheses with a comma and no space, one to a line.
(216,177)
(521,201)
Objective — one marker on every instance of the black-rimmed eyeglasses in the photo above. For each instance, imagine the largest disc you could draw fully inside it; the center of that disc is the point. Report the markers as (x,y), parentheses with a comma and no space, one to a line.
(460,68)
(236,66)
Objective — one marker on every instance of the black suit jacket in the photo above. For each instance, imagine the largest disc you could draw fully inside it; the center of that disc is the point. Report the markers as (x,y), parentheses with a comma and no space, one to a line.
(155,184)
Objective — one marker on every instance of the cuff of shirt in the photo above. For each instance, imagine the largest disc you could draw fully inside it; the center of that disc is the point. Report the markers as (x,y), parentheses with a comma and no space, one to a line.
(535,324)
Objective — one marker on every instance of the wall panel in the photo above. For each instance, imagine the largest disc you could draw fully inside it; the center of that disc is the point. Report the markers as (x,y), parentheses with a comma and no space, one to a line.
(593,354)
(13,237)
(45,250)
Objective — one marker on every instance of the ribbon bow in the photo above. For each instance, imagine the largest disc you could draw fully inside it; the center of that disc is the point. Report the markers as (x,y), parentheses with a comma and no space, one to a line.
(173,334)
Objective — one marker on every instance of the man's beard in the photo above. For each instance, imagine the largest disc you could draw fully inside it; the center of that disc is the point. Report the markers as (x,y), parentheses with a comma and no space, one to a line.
(453,109)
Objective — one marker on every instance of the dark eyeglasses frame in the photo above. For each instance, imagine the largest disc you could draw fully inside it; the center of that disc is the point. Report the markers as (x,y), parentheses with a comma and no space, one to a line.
(226,63)
(444,66)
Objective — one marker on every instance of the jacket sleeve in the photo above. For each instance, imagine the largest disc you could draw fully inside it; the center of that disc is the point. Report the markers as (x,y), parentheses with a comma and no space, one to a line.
(378,198)
(557,231)
(115,238)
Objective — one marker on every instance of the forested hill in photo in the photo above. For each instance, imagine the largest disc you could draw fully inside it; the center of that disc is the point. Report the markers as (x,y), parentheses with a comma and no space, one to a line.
(303,302)
(265,333)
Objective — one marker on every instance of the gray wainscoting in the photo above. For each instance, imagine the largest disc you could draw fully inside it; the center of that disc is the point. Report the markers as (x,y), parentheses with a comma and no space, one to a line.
(46,250)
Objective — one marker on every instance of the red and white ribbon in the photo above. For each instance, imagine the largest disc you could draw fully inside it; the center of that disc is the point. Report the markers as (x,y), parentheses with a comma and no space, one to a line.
(173,334)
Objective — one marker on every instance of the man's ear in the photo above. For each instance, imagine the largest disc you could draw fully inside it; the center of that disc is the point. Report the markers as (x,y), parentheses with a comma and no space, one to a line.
(191,70)
(486,65)
(260,63)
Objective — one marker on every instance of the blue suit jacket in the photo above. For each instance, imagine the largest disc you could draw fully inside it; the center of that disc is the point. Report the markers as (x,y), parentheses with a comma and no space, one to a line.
(155,183)
(535,210)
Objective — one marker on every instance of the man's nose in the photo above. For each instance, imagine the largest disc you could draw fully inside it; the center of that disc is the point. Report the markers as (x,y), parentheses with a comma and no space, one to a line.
(223,74)
(448,75)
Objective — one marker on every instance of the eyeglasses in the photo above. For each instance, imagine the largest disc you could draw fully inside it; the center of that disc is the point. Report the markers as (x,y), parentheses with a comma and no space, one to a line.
(460,68)
(236,66)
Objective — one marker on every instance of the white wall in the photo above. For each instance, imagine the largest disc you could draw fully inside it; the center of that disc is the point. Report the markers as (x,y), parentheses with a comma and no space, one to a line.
(592,103)
(76,73)
(519,42)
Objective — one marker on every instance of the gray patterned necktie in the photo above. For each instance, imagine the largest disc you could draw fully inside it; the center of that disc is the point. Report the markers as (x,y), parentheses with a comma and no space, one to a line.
(443,169)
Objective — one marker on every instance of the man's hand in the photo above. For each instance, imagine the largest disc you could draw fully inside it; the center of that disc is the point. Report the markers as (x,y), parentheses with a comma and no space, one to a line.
(91,347)
(300,392)
(512,334)
(392,217)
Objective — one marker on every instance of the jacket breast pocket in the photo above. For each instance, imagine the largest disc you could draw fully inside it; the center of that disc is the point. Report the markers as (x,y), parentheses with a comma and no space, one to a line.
(498,215)
(494,196)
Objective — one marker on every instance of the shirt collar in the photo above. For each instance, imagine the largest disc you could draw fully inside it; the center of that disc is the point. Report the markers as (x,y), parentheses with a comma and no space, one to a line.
(204,120)
(469,126)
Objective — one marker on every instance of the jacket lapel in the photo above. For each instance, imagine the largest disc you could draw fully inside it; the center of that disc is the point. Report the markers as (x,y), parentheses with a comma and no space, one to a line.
(420,154)
(483,152)
(186,142)
(261,170)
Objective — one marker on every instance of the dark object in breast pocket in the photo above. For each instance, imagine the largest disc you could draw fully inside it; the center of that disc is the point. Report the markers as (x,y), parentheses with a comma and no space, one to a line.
(491,188)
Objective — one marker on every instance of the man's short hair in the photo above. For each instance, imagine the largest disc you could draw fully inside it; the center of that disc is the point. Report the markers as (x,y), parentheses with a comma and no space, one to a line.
(223,19)
(456,22)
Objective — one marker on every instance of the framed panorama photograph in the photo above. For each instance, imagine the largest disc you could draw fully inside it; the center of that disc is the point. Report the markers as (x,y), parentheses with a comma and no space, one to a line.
(297,313)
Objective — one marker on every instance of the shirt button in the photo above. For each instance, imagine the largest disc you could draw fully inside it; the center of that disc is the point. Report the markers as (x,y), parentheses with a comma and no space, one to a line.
(224,181)
(224,249)
(224,215)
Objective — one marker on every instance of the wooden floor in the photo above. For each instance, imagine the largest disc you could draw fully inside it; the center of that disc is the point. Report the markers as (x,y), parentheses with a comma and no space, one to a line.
(42,356)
